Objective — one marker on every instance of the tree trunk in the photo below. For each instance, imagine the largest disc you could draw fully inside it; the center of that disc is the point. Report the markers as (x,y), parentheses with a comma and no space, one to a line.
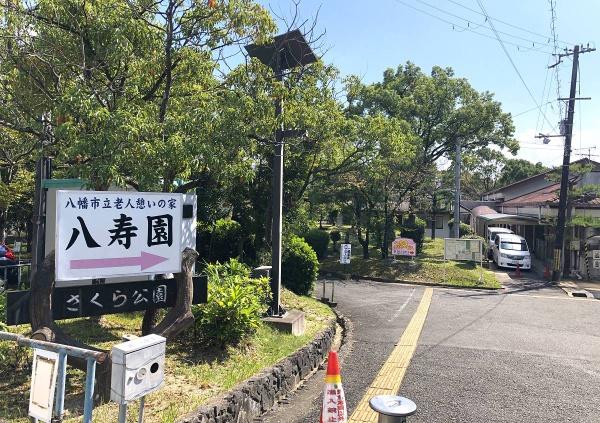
(3,214)
(433,210)
(386,225)
(180,317)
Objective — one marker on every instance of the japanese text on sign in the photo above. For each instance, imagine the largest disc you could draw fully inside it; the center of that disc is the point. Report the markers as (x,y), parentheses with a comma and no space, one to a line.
(345,253)
(462,249)
(102,234)
(404,247)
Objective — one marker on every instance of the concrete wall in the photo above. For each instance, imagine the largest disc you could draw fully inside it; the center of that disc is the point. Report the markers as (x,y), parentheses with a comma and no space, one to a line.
(252,398)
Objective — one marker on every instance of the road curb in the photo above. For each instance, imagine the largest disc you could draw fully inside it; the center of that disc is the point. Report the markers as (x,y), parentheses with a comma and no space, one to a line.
(257,395)
(337,275)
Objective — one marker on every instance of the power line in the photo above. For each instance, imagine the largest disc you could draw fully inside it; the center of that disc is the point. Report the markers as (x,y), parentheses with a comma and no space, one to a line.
(506,23)
(466,28)
(556,49)
(533,108)
(513,63)
(533,42)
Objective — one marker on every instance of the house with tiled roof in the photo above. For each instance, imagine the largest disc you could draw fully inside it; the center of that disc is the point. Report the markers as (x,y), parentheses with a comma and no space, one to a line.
(536,198)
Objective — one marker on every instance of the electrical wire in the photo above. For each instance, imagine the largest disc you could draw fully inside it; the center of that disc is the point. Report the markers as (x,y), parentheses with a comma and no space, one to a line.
(528,40)
(556,50)
(537,124)
(463,28)
(502,44)
(506,23)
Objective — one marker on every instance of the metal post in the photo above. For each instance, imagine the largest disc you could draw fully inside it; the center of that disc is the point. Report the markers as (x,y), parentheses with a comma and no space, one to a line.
(277,199)
(392,408)
(332,291)
(456,226)
(59,405)
(88,404)
(122,413)
(141,413)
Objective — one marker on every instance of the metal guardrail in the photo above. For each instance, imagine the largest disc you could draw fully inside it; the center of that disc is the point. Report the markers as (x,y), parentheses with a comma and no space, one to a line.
(5,269)
(91,357)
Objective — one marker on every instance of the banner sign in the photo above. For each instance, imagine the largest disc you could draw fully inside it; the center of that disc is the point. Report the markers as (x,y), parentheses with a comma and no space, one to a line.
(97,300)
(102,234)
(462,249)
(404,247)
(345,253)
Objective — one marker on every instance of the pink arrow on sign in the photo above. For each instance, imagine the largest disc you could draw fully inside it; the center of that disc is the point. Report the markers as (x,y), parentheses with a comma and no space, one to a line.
(145,261)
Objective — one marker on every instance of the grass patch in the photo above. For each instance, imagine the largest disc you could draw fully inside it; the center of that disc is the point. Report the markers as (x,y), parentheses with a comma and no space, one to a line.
(194,374)
(428,267)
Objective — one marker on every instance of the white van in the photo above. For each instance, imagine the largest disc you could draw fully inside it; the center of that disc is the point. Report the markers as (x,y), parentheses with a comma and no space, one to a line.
(510,250)
(491,235)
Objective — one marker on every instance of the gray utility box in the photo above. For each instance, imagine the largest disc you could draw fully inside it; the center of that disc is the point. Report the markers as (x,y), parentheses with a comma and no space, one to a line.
(138,368)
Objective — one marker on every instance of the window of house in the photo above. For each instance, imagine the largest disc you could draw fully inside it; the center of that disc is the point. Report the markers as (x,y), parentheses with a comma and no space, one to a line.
(439,222)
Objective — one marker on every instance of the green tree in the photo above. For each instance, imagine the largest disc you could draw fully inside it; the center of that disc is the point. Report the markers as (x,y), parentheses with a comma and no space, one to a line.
(517,169)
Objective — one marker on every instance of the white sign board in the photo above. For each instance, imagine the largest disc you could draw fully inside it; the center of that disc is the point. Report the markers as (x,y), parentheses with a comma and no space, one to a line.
(462,249)
(43,383)
(596,254)
(596,264)
(17,247)
(345,253)
(404,247)
(102,234)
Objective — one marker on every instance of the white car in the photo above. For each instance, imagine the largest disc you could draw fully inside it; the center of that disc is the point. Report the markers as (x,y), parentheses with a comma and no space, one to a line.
(510,250)
(491,235)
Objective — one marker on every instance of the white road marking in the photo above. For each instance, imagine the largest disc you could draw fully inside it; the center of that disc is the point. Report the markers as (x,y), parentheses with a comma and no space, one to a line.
(397,313)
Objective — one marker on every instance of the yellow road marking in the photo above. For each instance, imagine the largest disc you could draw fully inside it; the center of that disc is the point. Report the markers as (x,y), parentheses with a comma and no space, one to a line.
(389,378)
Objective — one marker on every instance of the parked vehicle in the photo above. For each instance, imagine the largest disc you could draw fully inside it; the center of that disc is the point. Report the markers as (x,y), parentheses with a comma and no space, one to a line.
(510,250)
(491,235)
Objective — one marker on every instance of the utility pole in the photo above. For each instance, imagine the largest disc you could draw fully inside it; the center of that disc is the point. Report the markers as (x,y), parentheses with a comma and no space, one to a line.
(456,226)
(559,239)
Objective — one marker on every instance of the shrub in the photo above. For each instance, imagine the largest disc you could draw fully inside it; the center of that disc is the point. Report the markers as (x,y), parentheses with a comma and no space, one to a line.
(226,240)
(235,304)
(414,228)
(319,241)
(463,230)
(300,266)
(335,237)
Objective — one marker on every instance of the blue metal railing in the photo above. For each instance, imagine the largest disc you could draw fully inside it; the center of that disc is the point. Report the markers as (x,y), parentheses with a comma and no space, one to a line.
(91,357)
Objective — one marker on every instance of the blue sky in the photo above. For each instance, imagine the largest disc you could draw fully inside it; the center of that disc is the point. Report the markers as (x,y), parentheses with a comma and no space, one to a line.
(366,37)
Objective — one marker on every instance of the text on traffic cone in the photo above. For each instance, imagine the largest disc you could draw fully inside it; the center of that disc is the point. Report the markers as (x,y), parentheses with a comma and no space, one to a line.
(334,403)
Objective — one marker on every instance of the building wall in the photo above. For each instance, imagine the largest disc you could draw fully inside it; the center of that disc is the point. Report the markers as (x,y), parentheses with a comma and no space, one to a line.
(444,231)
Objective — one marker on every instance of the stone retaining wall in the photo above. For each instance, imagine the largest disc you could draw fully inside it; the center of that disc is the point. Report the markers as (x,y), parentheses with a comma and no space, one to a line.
(258,394)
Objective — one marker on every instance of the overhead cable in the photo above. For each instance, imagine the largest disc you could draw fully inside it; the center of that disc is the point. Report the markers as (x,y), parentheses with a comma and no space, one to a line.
(506,23)
(514,65)
(463,28)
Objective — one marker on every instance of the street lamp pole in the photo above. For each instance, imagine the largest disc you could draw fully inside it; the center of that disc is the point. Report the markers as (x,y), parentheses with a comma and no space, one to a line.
(277,197)
(287,51)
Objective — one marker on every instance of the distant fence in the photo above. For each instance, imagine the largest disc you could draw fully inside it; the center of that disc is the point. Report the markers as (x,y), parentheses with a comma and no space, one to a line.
(14,275)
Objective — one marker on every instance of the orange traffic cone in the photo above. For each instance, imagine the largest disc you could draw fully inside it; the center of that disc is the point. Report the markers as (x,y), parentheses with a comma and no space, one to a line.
(546,272)
(334,403)
(518,271)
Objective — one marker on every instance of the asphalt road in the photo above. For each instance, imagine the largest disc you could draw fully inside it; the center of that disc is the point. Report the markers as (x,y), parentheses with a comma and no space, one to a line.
(526,354)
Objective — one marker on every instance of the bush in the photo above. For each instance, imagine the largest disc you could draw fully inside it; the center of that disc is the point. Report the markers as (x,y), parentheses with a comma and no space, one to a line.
(319,241)
(235,304)
(463,230)
(414,228)
(226,240)
(335,237)
(300,266)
